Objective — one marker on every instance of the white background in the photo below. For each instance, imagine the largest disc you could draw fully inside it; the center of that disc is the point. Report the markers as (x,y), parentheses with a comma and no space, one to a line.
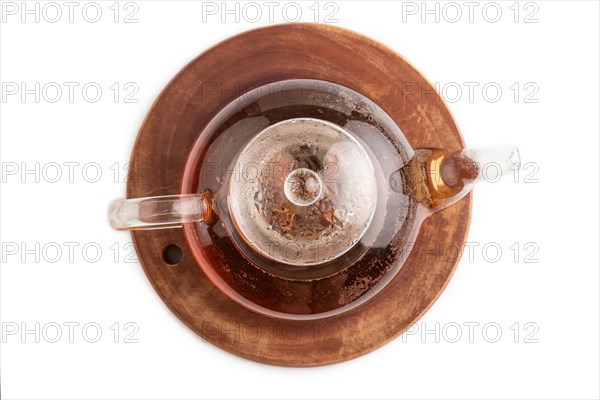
(556,355)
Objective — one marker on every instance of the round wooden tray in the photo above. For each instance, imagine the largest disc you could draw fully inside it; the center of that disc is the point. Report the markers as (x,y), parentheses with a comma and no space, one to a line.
(218,76)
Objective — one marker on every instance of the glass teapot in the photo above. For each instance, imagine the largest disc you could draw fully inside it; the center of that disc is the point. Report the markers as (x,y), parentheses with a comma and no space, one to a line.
(300,198)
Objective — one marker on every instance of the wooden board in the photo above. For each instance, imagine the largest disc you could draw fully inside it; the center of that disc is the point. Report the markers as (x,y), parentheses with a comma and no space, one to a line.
(216,77)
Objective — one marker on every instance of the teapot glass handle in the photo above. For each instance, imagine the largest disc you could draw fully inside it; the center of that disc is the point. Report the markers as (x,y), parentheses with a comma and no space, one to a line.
(160,212)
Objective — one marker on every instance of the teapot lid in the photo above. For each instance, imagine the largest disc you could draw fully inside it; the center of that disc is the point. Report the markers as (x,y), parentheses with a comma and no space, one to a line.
(305,191)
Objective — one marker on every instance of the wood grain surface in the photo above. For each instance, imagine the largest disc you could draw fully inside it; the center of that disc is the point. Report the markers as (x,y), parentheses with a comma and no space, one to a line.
(219,75)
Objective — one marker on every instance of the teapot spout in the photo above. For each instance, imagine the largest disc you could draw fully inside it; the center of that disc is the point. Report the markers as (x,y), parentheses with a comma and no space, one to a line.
(437,178)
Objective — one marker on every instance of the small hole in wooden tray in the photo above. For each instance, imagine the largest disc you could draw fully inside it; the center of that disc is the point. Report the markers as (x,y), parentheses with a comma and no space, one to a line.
(172,254)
